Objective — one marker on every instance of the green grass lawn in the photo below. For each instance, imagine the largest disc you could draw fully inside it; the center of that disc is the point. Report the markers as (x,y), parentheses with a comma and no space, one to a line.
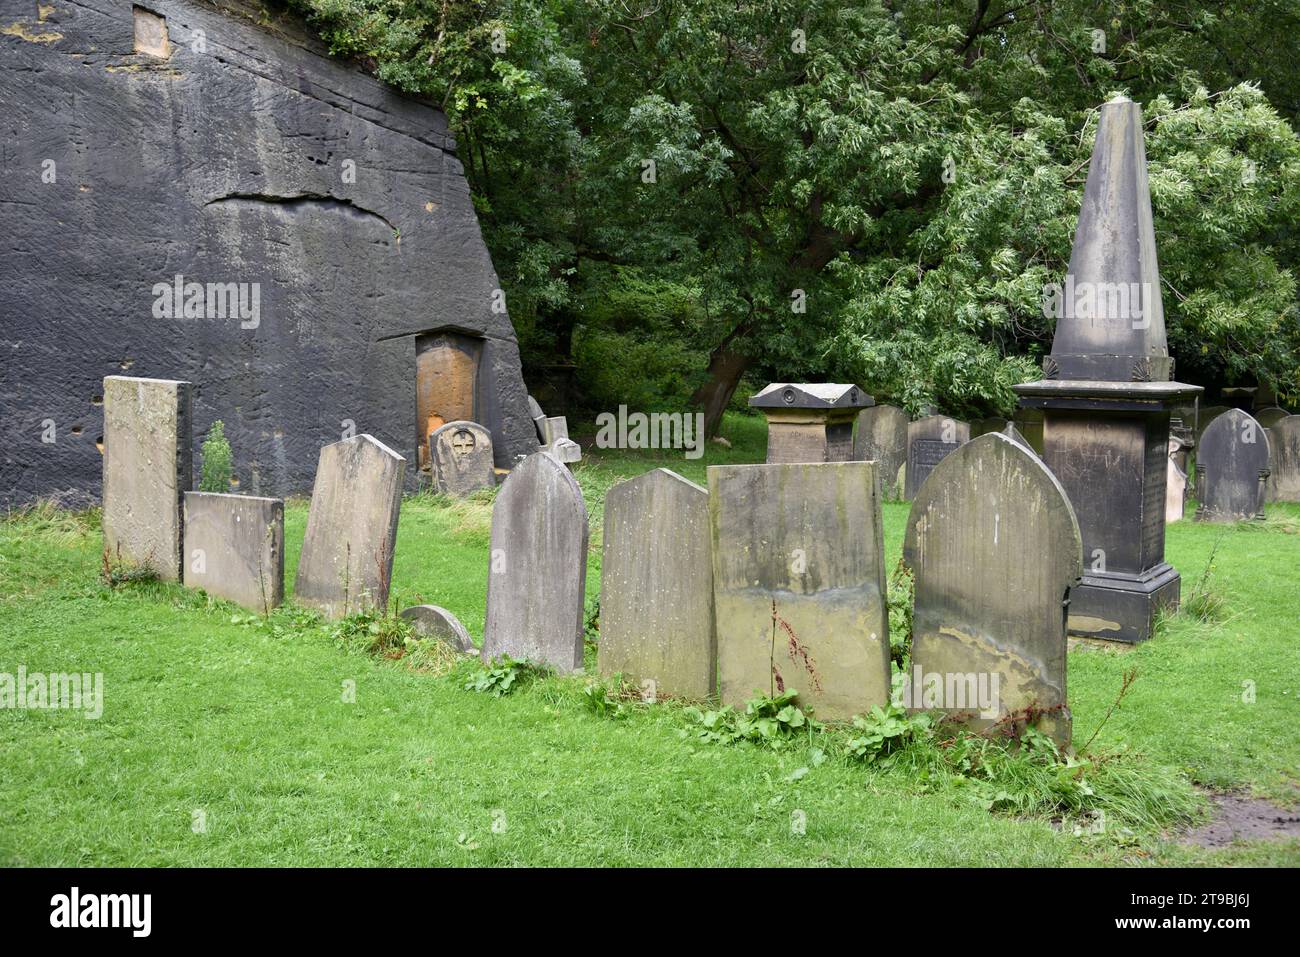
(207,709)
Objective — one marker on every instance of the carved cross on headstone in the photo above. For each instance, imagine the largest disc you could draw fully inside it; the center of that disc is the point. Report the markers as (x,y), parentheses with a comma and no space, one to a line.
(462,443)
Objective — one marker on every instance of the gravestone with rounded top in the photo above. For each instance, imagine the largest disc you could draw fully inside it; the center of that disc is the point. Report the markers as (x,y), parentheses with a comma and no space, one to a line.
(537,567)
(1284,471)
(656,586)
(799,584)
(347,552)
(434,621)
(929,442)
(147,471)
(1232,469)
(995,549)
(461,458)
(810,421)
(882,437)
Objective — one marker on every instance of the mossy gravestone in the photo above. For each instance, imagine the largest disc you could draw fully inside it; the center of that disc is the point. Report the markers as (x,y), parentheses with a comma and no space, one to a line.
(1284,471)
(929,442)
(147,469)
(461,458)
(347,552)
(882,438)
(995,548)
(799,584)
(537,567)
(656,587)
(1232,469)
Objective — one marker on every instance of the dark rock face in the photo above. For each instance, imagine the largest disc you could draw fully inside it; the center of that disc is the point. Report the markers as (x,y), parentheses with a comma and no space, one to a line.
(245,160)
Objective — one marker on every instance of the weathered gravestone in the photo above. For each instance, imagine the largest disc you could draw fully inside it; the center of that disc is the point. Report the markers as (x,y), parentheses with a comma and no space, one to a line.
(234,548)
(147,469)
(1232,469)
(882,437)
(1175,484)
(1271,416)
(995,548)
(537,567)
(929,441)
(656,586)
(992,423)
(1014,434)
(1205,417)
(799,584)
(1284,472)
(810,421)
(347,552)
(434,621)
(461,454)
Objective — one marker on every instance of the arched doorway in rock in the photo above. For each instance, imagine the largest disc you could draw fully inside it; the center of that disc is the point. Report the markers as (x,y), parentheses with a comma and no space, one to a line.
(446,382)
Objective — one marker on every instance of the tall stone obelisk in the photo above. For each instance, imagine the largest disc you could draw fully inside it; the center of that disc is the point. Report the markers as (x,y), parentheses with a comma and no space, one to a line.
(1106,392)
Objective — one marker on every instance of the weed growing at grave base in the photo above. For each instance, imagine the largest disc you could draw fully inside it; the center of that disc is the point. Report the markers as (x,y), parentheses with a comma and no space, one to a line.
(902,585)
(774,721)
(502,676)
(116,570)
(373,633)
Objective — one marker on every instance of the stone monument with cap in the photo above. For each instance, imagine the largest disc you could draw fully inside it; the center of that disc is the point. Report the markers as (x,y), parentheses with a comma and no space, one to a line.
(810,422)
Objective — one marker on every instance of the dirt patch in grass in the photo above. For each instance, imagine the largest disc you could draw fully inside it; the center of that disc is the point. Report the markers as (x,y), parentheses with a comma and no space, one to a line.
(1241,818)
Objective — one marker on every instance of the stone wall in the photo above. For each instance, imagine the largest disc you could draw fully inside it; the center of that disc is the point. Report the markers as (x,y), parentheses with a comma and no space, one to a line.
(244,155)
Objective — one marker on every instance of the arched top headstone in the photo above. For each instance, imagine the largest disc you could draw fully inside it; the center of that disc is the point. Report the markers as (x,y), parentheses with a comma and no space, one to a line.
(1232,466)
(995,547)
(537,567)
(461,458)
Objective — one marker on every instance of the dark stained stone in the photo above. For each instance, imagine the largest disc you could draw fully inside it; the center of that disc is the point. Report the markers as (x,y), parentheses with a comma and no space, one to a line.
(146,471)
(993,423)
(1284,474)
(346,563)
(433,621)
(461,458)
(799,584)
(1206,417)
(261,160)
(929,441)
(1232,469)
(537,567)
(234,548)
(656,586)
(1011,432)
(810,421)
(995,548)
(882,437)
(1271,416)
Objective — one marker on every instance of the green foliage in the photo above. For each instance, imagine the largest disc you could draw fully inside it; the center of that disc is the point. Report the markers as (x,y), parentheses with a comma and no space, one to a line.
(218,461)
(502,677)
(885,730)
(372,632)
(902,585)
(775,722)
(605,702)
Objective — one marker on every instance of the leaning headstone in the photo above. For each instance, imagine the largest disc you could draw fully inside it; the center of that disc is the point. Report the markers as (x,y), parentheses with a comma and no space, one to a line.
(537,567)
(554,427)
(882,437)
(995,547)
(929,442)
(656,586)
(434,621)
(461,454)
(234,548)
(810,421)
(1175,485)
(799,584)
(1284,471)
(347,553)
(147,470)
(1232,469)
(538,417)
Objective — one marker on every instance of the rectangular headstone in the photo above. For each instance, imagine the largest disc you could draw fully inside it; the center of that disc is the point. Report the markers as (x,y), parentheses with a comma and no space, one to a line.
(234,548)
(656,586)
(147,468)
(537,567)
(929,441)
(347,553)
(995,548)
(799,584)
